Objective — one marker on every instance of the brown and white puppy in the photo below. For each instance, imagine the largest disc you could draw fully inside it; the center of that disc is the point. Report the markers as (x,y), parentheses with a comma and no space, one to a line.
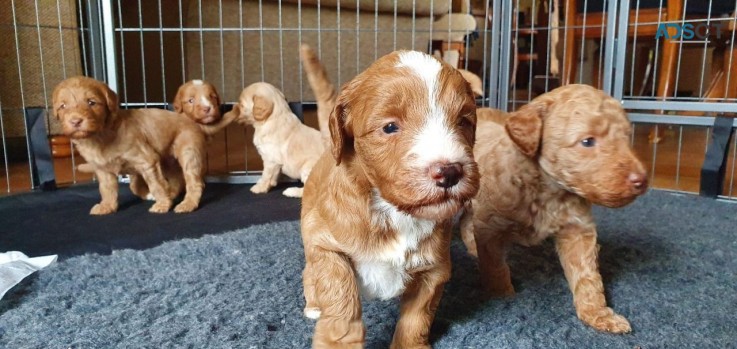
(135,142)
(285,144)
(541,169)
(200,102)
(377,208)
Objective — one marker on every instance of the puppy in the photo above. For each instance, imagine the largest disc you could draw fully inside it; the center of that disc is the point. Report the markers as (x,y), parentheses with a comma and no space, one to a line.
(541,169)
(200,102)
(285,144)
(377,209)
(114,142)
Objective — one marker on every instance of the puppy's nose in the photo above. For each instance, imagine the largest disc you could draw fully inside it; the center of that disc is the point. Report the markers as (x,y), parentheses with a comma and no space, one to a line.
(446,175)
(638,181)
(206,109)
(75,122)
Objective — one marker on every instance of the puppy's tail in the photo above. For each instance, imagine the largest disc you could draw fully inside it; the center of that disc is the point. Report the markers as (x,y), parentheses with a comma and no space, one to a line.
(323,89)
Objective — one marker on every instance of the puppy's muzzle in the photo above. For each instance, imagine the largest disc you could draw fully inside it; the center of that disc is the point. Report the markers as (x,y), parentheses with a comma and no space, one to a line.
(445,174)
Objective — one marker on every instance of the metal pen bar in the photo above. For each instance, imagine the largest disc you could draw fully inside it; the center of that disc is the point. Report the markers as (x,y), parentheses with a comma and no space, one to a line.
(705,121)
(222,79)
(583,41)
(678,157)
(485,74)
(611,47)
(181,44)
(506,44)
(494,54)
(161,50)
(143,57)
(122,58)
(22,92)
(680,106)
(623,25)
(358,36)
(680,50)
(202,42)
(61,41)
(5,149)
(281,44)
(82,37)
(43,63)
(337,24)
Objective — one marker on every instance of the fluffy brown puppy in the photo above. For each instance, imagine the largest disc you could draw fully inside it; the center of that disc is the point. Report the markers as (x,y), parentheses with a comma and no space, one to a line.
(377,208)
(200,102)
(540,173)
(114,142)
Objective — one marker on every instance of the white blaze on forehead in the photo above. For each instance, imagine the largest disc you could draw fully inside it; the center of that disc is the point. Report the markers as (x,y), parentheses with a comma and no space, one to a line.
(436,141)
(197,82)
(427,68)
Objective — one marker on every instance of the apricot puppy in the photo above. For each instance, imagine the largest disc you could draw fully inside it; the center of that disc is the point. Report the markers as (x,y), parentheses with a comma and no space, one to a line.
(134,142)
(377,208)
(541,169)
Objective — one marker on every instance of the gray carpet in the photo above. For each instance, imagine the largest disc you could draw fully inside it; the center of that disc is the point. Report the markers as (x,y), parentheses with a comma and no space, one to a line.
(669,264)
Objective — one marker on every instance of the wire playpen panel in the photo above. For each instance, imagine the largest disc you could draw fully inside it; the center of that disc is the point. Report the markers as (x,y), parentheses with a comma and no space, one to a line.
(673,85)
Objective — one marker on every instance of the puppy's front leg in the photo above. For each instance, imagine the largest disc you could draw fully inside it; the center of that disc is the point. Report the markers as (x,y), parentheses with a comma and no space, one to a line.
(268,178)
(578,251)
(336,293)
(108,184)
(496,279)
(419,302)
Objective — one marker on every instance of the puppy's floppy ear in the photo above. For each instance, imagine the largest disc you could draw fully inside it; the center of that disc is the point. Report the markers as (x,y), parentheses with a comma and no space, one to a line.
(111,99)
(262,108)
(177,104)
(525,127)
(218,101)
(339,124)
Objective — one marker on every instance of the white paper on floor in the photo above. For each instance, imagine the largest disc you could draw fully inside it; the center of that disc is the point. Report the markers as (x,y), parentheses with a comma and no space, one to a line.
(16,266)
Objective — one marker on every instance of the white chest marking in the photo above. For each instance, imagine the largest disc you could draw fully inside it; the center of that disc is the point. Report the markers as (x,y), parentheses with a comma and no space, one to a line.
(384,275)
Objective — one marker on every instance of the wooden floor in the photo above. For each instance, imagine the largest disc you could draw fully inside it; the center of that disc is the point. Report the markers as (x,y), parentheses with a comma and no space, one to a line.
(670,166)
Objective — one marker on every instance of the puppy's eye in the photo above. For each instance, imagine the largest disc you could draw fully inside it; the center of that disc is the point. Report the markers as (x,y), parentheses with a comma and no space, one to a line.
(588,142)
(390,128)
(190,101)
(91,102)
(62,106)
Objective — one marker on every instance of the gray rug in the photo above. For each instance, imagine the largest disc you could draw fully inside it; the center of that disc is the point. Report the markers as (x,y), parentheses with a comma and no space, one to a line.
(669,263)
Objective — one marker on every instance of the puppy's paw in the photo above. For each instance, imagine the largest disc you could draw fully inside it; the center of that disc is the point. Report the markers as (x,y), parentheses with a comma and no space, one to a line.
(260,188)
(102,209)
(606,320)
(150,197)
(313,313)
(186,206)
(293,192)
(160,207)
(498,289)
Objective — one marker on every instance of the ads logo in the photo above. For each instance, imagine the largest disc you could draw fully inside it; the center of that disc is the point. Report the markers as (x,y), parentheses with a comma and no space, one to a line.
(690,32)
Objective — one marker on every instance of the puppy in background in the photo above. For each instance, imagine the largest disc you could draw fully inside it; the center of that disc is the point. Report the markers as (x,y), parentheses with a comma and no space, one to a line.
(377,209)
(200,102)
(285,144)
(135,142)
(542,167)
